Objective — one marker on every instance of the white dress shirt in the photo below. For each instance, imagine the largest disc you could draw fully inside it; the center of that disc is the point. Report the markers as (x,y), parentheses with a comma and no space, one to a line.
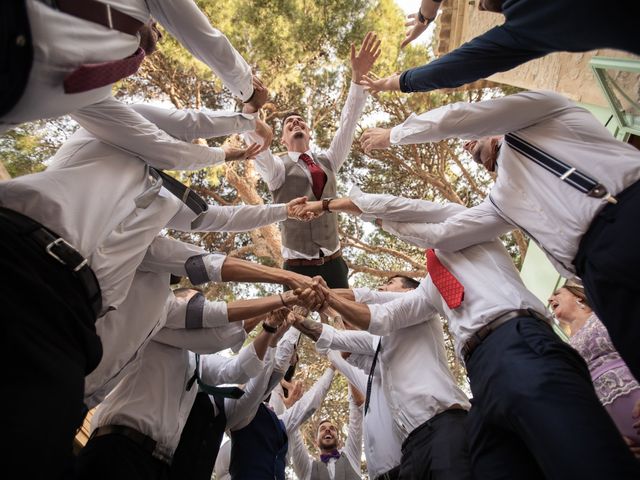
(271,167)
(492,284)
(382,447)
(303,462)
(240,412)
(149,307)
(554,214)
(153,399)
(104,201)
(413,366)
(63,42)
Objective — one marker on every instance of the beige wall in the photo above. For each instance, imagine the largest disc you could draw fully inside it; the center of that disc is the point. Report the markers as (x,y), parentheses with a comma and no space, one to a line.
(565,73)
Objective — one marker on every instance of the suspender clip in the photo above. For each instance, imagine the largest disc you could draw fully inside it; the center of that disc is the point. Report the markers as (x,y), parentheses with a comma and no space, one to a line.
(599,191)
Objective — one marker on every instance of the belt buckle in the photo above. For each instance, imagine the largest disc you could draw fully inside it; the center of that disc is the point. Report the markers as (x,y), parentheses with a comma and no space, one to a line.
(66,247)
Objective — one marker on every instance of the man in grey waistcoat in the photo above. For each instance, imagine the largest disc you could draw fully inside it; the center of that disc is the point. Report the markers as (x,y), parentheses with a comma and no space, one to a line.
(332,463)
(313,248)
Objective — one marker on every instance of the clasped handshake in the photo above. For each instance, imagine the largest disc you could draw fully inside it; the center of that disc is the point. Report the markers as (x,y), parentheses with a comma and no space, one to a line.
(302,209)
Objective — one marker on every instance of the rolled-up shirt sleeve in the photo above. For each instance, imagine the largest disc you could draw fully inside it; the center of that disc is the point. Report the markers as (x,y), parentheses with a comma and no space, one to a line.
(217,369)
(345,341)
(411,309)
(204,340)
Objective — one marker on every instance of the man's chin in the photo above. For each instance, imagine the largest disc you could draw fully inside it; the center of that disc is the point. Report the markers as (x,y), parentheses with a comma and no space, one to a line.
(298,135)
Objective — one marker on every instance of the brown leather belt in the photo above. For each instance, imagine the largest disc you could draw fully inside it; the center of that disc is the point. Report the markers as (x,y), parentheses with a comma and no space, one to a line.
(98,12)
(478,337)
(147,443)
(313,262)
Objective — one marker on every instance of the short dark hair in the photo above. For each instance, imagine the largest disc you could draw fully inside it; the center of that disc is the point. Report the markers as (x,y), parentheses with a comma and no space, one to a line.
(324,420)
(182,292)
(292,113)
(492,5)
(407,282)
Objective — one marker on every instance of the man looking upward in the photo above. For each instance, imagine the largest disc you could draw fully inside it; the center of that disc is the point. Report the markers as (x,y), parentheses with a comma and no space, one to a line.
(313,248)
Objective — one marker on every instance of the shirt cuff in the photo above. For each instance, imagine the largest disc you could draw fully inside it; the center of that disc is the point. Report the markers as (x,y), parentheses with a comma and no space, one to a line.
(376,325)
(404,82)
(214,314)
(324,342)
(205,268)
(362,294)
(217,156)
(278,211)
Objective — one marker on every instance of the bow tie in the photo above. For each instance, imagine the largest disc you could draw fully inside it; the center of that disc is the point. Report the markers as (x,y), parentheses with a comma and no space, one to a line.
(325,457)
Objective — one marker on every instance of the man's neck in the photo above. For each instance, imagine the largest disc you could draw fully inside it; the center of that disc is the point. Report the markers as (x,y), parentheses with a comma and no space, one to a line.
(299,147)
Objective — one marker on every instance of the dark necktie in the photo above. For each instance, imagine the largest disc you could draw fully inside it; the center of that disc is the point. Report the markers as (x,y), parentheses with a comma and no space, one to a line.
(318,177)
(225,392)
(370,379)
(94,75)
(449,287)
(325,457)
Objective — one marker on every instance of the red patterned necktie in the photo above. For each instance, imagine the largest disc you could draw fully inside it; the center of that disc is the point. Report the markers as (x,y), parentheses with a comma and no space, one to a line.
(318,177)
(94,75)
(449,287)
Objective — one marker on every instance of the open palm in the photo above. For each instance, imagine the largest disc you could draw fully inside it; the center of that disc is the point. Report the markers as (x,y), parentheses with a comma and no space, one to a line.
(369,52)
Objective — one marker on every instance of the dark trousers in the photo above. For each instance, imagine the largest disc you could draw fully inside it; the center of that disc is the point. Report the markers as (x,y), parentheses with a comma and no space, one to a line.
(48,344)
(200,440)
(16,53)
(608,262)
(437,449)
(535,414)
(335,272)
(116,457)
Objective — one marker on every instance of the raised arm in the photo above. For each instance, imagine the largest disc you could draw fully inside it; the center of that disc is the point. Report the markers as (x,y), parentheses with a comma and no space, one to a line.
(470,227)
(309,403)
(217,369)
(353,445)
(119,125)
(494,51)
(184,20)
(361,63)
(189,124)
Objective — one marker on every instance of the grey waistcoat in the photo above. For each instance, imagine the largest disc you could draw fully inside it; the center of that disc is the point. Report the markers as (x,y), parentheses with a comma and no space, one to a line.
(307,237)
(344,470)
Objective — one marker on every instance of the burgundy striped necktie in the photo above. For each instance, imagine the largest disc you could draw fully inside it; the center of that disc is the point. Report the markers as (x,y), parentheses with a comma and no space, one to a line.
(318,177)
(449,287)
(94,75)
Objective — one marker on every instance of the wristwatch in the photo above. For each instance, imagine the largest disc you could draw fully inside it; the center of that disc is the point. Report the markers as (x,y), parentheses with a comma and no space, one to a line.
(268,328)
(424,20)
(325,204)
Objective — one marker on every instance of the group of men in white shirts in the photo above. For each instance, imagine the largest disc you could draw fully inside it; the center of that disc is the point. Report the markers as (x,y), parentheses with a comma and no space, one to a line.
(91,319)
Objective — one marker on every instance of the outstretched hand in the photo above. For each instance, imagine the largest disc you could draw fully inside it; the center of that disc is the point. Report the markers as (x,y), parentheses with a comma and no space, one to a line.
(234,153)
(415,29)
(375,85)
(300,209)
(294,392)
(306,211)
(265,132)
(362,62)
(375,139)
(259,97)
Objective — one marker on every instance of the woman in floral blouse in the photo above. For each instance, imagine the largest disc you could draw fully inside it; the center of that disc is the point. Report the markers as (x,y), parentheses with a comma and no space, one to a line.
(616,387)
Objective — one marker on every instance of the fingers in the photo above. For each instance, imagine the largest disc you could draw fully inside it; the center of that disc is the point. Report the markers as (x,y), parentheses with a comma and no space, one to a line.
(635,413)
(365,43)
(257,83)
(252,150)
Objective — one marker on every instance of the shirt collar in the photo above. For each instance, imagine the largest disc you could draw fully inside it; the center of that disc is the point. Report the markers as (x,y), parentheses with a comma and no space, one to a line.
(295,156)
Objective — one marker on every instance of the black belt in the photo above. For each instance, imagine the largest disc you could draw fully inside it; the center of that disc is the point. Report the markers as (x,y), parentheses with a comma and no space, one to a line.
(61,251)
(390,475)
(478,337)
(145,442)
